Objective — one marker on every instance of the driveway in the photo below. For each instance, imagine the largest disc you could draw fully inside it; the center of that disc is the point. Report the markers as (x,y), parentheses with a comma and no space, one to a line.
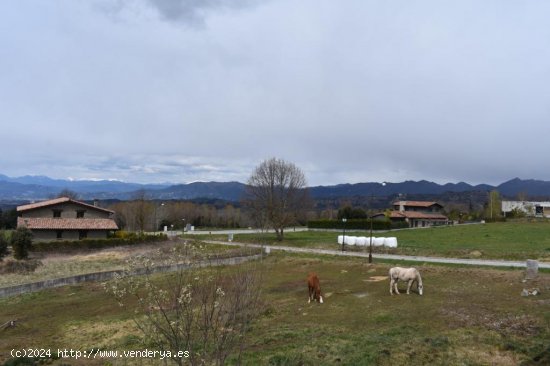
(473,262)
(237,231)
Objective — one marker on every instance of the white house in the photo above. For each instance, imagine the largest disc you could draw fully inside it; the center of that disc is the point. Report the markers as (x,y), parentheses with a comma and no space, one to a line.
(531,208)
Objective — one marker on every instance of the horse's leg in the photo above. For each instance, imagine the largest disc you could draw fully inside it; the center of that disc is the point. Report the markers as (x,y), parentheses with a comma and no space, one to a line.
(396,289)
(409,287)
(391,286)
(309,294)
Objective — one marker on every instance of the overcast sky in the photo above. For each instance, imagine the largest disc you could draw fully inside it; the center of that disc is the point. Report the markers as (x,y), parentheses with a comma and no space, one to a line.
(349,90)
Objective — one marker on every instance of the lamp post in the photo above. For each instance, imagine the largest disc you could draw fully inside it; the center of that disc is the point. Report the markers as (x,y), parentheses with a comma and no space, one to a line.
(371,218)
(183,230)
(155,229)
(370,246)
(344,234)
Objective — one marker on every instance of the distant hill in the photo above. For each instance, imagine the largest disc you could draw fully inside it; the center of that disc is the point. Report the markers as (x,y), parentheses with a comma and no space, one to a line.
(390,189)
(229,191)
(531,187)
(40,187)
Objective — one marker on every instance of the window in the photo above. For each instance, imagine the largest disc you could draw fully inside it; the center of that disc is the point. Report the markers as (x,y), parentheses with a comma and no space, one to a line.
(59,234)
(57,213)
(80,214)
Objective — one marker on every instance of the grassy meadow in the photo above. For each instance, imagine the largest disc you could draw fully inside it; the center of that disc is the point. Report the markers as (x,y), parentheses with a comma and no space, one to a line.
(467,316)
(503,240)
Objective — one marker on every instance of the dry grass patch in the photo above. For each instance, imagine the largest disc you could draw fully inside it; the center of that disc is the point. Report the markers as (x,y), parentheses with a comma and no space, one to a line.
(57,265)
(98,334)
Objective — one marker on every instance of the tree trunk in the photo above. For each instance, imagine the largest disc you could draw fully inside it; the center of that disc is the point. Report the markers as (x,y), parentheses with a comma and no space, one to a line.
(280,234)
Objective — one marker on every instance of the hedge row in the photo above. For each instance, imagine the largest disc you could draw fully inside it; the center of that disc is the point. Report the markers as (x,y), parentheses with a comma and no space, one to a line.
(356,224)
(70,245)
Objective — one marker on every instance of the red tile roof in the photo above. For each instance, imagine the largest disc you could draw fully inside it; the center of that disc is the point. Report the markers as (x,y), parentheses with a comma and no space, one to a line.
(50,223)
(56,201)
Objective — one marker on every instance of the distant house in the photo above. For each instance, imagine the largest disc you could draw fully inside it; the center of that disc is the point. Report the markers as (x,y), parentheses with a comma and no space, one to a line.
(416,213)
(529,208)
(65,219)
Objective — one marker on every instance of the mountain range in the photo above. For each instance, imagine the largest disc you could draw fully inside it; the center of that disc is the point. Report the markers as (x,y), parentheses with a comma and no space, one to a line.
(30,188)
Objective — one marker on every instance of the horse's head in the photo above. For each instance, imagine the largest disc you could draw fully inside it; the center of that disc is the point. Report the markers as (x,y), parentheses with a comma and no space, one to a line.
(420,289)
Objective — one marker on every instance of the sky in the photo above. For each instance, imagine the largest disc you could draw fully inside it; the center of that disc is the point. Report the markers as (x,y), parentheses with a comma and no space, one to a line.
(350,91)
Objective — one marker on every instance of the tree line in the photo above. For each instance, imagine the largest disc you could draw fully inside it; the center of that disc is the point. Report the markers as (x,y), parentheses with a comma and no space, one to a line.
(142,214)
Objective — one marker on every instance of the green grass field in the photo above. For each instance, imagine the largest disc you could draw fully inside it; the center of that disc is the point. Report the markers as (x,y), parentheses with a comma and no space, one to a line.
(508,240)
(466,317)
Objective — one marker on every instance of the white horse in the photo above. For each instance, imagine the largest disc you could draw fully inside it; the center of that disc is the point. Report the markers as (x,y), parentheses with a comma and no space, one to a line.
(405,274)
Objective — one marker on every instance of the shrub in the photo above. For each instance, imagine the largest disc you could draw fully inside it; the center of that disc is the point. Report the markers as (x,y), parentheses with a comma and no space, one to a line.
(352,213)
(11,266)
(354,224)
(21,242)
(3,245)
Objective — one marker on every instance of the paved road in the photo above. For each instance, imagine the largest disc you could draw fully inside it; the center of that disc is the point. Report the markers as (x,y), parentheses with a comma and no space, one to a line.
(474,262)
(235,231)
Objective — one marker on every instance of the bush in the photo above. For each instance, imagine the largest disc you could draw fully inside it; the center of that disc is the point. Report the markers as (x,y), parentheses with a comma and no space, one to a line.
(356,224)
(87,244)
(11,266)
(3,245)
(21,242)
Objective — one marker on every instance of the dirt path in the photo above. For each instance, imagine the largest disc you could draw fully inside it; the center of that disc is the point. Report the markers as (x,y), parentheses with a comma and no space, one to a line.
(473,262)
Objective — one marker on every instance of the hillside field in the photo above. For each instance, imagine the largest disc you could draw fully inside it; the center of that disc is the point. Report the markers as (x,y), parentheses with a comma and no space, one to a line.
(467,316)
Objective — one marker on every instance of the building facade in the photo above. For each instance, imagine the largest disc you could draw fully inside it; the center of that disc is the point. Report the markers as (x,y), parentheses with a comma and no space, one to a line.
(66,219)
(529,208)
(416,213)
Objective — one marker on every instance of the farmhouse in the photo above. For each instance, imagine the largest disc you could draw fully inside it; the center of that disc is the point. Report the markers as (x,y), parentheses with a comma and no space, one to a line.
(529,208)
(416,213)
(65,218)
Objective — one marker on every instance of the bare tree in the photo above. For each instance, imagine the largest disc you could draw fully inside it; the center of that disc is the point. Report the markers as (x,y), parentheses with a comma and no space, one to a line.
(494,205)
(522,196)
(277,194)
(68,193)
(206,312)
(142,210)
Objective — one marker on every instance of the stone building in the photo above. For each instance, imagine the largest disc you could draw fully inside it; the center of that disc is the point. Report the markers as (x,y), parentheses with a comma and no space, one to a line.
(66,219)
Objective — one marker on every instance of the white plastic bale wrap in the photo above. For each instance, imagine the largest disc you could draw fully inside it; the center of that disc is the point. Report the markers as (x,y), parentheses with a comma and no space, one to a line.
(340,238)
(390,242)
(369,240)
(350,240)
(361,240)
(378,242)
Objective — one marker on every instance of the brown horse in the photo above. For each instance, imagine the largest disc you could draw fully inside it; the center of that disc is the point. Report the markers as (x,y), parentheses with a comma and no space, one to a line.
(314,288)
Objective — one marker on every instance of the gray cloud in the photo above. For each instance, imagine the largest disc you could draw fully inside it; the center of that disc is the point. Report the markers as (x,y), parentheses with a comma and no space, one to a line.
(194,11)
(185,12)
(351,91)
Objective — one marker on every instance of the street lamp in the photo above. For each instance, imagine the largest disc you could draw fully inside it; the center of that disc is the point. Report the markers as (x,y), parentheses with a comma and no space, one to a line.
(183,231)
(155,229)
(370,246)
(344,234)
(371,218)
